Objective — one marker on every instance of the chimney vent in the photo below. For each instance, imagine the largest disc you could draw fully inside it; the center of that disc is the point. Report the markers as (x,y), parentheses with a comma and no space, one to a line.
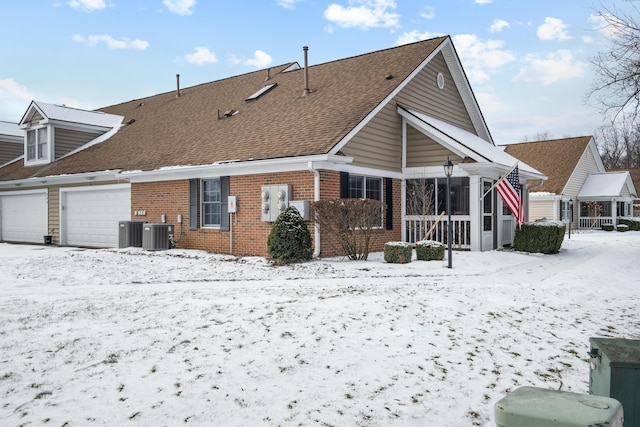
(307,91)
(178,85)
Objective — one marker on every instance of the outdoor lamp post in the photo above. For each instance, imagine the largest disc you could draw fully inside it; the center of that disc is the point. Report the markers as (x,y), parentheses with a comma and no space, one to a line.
(570,215)
(448,170)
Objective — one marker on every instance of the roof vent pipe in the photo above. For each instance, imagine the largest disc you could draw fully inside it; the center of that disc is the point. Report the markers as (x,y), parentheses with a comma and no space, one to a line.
(307,91)
(178,85)
(268,74)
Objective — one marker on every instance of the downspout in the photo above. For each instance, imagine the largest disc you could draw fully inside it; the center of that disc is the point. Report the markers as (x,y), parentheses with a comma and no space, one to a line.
(316,197)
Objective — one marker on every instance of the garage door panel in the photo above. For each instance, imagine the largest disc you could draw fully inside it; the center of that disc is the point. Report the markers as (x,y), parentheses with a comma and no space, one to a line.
(92,216)
(24,217)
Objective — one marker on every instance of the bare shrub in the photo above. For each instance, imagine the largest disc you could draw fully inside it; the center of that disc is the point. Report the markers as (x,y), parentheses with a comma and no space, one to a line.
(350,222)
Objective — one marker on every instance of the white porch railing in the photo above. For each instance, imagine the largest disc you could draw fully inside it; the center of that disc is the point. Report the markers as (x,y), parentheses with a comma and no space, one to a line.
(416,226)
(586,223)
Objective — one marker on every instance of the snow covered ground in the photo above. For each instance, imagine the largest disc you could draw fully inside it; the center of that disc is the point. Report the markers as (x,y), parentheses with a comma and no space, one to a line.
(130,337)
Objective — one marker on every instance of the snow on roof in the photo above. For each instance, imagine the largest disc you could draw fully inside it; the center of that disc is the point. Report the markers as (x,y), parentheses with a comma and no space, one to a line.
(609,184)
(482,147)
(11,129)
(75,115)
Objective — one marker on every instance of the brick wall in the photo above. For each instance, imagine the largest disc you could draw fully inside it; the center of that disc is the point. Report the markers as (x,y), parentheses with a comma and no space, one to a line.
(248,233)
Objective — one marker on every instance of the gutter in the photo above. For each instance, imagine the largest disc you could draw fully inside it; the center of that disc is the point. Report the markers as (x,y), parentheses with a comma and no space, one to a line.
(316,197)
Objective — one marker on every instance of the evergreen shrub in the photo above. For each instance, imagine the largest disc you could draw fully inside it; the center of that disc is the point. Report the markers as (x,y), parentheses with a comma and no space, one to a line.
(290,239)
(429,250)
(540,237)
(397,252)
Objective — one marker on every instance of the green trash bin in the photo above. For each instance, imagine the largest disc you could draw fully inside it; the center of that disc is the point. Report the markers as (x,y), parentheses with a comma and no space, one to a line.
(615,373)
(538,407)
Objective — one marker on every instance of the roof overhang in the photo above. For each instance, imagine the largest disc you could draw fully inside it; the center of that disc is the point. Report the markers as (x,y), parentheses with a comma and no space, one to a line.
(488,159)
(80,178)
(238,167)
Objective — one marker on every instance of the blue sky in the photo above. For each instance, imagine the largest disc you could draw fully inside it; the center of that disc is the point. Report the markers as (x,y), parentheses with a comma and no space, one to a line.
(527,61)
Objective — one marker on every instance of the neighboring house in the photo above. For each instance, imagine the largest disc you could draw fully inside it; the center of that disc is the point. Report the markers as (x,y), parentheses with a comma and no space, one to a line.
(578,187)
(365,126)
(11,142)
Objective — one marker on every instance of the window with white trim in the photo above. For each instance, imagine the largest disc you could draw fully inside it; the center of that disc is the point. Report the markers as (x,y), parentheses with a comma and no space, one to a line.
(211,203)
(37,144)
(366,187)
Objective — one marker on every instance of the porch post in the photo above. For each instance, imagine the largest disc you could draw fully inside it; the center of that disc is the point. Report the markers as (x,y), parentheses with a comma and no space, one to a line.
(475,211)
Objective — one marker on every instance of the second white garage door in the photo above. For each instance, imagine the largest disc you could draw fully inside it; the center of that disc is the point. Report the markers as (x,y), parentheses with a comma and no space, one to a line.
(90,216)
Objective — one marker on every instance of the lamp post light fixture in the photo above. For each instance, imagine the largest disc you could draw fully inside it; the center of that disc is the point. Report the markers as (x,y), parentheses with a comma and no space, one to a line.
(570,215)
(448,170)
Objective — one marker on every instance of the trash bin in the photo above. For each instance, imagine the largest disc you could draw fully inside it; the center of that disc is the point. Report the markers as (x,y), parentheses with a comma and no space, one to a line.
(615,372)
(537,407)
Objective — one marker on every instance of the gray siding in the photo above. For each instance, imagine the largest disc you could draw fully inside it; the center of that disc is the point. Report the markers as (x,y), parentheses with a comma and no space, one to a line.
(68,140)
(545,208)
(586,165)
(10,150)
(379,143)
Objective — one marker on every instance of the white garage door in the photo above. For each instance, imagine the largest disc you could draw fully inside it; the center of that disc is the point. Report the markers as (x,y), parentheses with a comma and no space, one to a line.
(90,216)
(23,216)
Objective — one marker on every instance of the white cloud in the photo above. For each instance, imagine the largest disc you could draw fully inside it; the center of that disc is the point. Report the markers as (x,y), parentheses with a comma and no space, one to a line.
(587,39)
(10,89)
(201,56)
(498,25)
(555,67)
(428,12)
(483,1)
(363,14)
(415,36)
(111,43)
(553,29)
(180,7)
(490,103)
(260,59)
(15,99)
(288,4)
(87,5)
(481,54)
(602,23)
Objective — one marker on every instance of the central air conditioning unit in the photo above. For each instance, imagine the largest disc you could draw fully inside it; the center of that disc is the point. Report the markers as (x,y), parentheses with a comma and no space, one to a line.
(155,237)
(130,234)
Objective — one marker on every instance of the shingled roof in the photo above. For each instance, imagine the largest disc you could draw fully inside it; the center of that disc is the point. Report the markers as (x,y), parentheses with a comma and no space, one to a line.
(167,130)
(555,158)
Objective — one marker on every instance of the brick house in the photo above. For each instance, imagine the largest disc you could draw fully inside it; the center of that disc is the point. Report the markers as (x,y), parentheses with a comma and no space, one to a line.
(365,126)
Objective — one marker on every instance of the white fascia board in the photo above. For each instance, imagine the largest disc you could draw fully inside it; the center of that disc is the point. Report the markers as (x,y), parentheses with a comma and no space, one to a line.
(236,168)
(78,178)
(468,97)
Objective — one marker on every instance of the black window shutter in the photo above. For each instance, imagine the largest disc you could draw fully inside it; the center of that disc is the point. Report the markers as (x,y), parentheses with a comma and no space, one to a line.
(388,196)
(224,207)
(344,185)
(193,204)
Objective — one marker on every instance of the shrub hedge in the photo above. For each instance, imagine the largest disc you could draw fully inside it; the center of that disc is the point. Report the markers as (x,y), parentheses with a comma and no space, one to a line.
(429,250)
(541,236)
(397,252)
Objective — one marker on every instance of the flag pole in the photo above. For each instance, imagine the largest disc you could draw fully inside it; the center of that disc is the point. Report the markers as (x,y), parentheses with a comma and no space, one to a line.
(499,180)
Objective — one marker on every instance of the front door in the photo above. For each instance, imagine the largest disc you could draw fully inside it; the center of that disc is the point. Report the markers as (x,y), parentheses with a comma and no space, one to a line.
(487,215)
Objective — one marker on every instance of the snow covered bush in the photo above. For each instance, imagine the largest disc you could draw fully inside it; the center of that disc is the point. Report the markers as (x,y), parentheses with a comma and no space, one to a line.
(622,227)
(290,239)
(607,227)
(541,236)
(429,250)
(397,252)
(632,222)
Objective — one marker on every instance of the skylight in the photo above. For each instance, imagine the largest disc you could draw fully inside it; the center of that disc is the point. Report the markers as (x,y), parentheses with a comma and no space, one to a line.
(261,92)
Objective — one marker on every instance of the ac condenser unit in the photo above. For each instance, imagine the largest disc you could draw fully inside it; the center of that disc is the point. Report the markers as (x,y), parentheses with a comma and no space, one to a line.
(130,234)
(155,237)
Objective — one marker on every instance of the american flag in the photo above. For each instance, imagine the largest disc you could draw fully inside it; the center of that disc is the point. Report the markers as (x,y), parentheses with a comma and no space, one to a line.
(509,188)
